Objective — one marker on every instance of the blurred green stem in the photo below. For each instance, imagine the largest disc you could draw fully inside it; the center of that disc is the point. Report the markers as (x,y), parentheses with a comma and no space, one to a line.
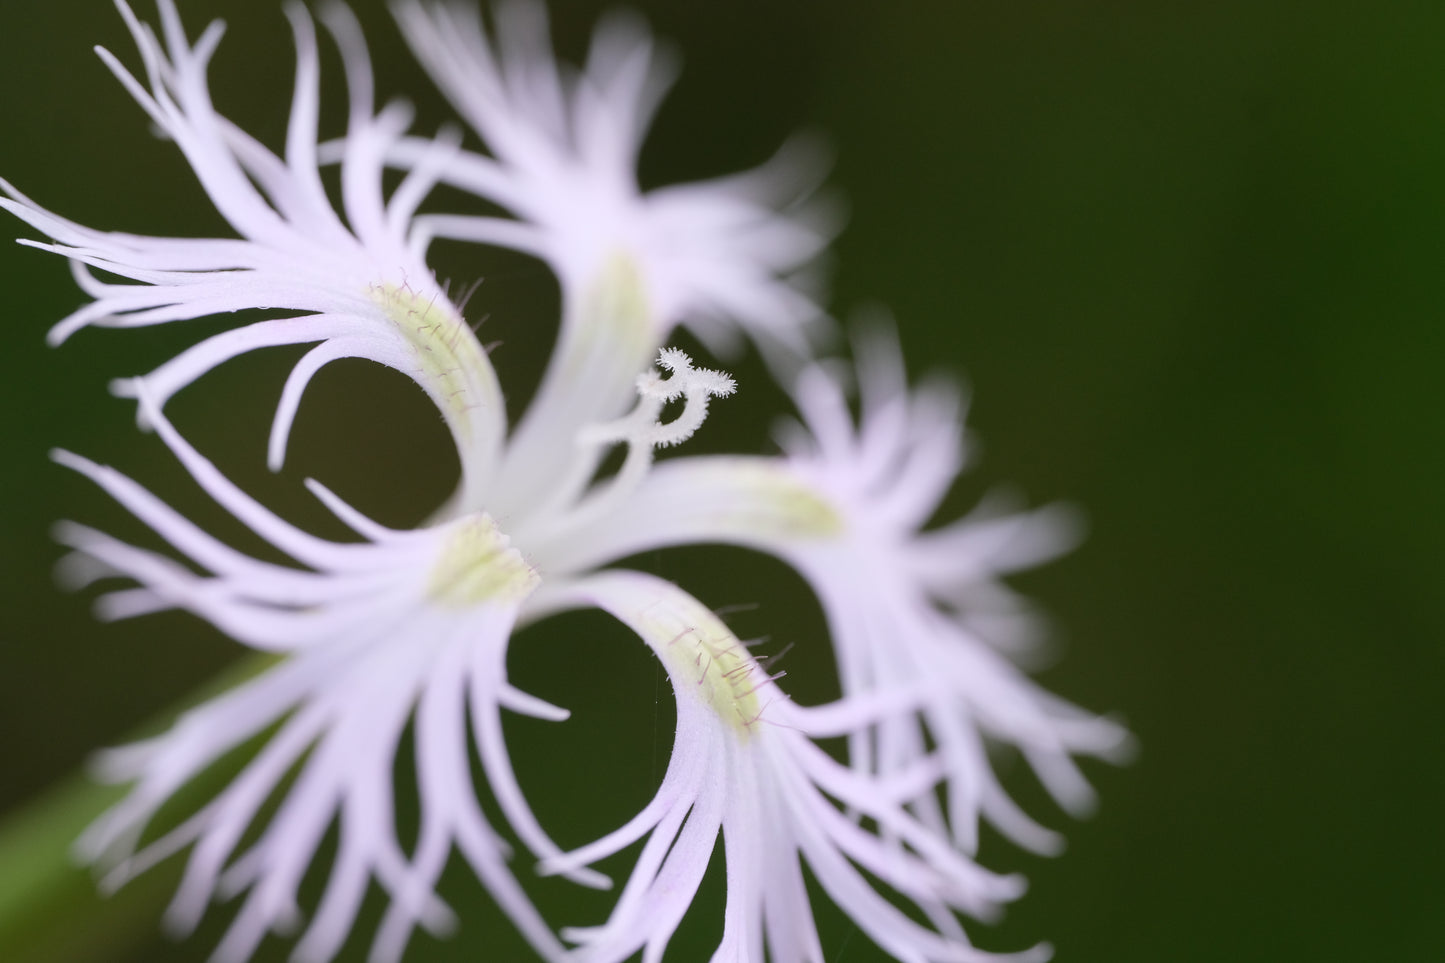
(50,908)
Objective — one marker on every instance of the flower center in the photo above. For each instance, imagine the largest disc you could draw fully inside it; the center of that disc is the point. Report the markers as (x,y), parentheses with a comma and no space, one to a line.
(479,565)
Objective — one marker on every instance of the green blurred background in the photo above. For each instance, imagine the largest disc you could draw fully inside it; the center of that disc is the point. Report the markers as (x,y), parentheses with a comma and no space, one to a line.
(1188,257)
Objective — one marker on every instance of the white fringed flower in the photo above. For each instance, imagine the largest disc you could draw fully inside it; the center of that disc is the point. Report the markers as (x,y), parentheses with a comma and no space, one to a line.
(362,283)
(401,625)
(744,763)
(906,607)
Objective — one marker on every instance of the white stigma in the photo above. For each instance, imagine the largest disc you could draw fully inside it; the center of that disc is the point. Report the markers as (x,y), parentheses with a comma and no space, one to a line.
(644,426)
(579,500)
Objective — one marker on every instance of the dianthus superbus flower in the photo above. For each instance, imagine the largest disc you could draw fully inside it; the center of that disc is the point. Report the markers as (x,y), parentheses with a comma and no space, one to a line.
(412,627)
